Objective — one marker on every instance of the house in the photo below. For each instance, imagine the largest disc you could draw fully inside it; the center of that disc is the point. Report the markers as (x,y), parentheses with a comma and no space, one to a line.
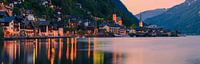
(73,23)
(6,9)
(117,20)
(114,28)
(27,28)
(43,28)
(7,21)
(56,29)
(53,29)
(16,29)
(91,28)
(8,26)
(123,31)
(104,26)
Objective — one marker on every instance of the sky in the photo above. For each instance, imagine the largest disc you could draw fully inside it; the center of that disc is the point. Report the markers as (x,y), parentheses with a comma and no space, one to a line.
(137,6)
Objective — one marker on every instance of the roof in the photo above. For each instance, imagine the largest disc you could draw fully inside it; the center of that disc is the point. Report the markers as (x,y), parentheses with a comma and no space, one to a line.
(7,19)
(122,27)
(57,24)
(119,18)
(113,24)
(109,23)
(43,23)
(3,13)
(103,24)
(140,28)
(26,22)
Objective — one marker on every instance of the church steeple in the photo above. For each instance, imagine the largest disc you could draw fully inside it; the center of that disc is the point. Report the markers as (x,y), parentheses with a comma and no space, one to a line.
(141,22)
(114,17)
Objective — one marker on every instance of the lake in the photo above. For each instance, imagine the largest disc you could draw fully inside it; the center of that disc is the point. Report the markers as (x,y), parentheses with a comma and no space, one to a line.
(147,50)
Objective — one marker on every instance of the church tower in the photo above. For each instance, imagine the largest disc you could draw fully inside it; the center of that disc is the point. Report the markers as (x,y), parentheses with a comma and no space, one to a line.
(141,23)
(114,17)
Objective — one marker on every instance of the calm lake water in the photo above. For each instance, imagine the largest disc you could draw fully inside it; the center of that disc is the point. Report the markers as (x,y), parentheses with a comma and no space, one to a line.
(159,50)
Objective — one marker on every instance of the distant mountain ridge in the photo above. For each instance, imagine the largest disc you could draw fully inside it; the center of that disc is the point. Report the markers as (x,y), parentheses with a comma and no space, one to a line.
(184,17)
(151,13)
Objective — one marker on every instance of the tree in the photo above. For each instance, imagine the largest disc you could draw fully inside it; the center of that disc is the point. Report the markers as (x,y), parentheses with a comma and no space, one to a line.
(133,26)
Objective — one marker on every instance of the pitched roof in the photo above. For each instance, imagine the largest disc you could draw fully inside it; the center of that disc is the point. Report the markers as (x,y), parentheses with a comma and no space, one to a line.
(57,24)
(3,13)
(43,23)
(103,24)
(119,18)
(7,19)
(113,24)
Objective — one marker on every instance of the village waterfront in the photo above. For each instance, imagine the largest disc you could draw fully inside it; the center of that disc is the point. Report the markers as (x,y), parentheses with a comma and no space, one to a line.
(28,25)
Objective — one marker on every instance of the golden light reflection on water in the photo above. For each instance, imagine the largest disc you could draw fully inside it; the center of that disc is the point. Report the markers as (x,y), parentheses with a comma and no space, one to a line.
(56,51)
(98,56)
(15,49)
(88,47)
(36,47)
(60,48)
(34,56)
(67,50)
(49,46)
(52,55)
(72,50)
(75,50)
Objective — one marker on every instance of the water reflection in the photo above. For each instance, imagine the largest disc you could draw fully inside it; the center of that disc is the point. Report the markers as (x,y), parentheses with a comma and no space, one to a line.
(182,50)
(54,51)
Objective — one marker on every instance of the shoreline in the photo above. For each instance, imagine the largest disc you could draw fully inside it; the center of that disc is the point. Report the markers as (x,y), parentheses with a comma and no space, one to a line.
(14,38)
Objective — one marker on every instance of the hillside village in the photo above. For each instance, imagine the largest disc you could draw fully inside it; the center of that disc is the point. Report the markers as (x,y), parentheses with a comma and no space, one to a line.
(29,25)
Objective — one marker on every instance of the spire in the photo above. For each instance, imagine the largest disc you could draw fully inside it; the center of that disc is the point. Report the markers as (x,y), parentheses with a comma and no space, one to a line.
(114,17)
(141,23)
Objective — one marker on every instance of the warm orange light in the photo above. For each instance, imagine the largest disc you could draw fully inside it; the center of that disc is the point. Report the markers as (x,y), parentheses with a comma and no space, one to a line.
(94,52)
(36,45)
(34,55)
(72,50)
(75,43)
(67,51)
(49,46)
(52,55)
(60,49)
(88,47)
(15,49)
(114,16)
(141,23)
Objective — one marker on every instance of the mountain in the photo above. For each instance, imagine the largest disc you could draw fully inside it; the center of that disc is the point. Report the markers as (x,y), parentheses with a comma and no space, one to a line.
(184,17)
(83,8)
(151,13)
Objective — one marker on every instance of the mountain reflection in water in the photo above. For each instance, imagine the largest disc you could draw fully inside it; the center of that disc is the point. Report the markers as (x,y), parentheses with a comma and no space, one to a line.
(55,51)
